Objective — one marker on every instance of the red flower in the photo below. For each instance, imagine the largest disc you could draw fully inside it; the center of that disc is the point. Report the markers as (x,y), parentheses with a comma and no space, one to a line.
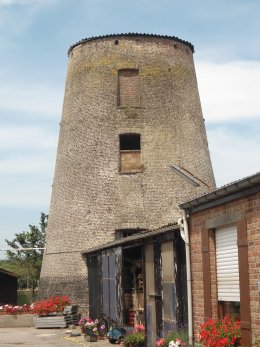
(219,333)
(53,304)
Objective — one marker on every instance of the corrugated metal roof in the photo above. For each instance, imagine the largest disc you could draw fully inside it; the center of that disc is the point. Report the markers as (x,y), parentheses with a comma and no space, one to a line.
(131,35)
(133,238)
(223,191)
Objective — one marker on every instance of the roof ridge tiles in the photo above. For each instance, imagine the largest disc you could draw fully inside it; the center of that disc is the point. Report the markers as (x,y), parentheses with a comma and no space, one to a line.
(93,38)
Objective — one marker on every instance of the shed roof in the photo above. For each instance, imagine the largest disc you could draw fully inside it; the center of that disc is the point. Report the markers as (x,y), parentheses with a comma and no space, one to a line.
(133,238)
(9,273)
(94,38)
(228,192)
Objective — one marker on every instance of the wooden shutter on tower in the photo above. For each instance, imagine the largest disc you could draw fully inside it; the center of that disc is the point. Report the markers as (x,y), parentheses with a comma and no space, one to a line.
(227,264)
(206,274)
(244,283)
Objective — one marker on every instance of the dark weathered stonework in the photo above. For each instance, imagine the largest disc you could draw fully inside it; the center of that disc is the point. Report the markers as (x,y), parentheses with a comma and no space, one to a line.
(91,198)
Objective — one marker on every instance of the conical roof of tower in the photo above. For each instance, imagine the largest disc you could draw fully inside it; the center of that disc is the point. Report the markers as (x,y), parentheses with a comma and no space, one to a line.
(174,38)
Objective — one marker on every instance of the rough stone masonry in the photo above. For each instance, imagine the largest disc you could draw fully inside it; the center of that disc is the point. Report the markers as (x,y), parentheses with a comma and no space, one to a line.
(131,109)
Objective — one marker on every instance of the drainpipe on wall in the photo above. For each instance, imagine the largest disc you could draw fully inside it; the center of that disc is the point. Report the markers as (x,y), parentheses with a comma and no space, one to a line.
(182,222)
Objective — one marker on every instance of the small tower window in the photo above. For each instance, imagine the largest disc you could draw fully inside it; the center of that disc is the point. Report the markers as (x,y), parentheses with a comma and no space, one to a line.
(128,88)
(130,153)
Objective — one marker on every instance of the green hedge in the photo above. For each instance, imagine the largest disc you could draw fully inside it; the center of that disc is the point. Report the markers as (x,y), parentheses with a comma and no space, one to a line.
(24,297)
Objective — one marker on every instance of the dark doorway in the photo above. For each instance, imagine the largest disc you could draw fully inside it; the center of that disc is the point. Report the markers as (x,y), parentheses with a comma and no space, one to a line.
(133,285)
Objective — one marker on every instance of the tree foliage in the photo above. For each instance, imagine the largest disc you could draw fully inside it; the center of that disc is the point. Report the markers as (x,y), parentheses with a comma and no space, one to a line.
(29,261)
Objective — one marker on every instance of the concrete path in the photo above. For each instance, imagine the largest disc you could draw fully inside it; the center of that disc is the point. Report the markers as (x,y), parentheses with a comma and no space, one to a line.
(31,337)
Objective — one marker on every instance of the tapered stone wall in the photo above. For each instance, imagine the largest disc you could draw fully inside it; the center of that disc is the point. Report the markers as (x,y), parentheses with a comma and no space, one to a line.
(91,198)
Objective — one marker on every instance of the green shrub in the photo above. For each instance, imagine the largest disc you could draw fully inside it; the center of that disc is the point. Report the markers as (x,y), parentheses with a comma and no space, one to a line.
(135,338)
(24,297)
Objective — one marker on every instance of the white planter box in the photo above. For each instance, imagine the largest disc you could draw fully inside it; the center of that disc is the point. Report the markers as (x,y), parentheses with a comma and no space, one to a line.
(16,320)
(51,321)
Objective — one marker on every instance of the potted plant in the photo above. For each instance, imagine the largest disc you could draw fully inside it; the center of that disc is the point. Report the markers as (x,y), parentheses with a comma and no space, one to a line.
(51,306)
(81,323)
(136,338)
(49,313)
(93,329)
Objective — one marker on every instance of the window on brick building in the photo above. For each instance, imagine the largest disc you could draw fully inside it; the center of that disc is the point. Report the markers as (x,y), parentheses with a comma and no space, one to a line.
(128,88)
(130,153)
(227,272)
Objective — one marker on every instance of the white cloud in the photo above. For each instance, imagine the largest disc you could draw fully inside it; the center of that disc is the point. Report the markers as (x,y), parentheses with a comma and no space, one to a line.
(34,99)
(27,137)
(32,194)
(234,155)
(229,91)
(29,165)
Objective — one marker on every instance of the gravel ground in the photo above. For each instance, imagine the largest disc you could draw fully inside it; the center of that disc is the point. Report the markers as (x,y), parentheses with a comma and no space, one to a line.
(13,337)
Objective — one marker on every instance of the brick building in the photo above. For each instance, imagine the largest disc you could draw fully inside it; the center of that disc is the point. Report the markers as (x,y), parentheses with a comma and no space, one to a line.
(224,229)
(131,111)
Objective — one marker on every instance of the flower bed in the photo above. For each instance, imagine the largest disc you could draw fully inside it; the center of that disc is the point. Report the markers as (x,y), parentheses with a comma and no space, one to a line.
(17,309)
(47,313)
(55,304)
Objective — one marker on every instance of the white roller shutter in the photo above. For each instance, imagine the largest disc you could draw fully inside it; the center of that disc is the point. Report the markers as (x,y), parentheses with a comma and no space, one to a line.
(227,264)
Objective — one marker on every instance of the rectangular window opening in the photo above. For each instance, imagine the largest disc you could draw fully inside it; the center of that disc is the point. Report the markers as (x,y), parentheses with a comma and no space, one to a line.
(230,308)
(130,142)
(130,153)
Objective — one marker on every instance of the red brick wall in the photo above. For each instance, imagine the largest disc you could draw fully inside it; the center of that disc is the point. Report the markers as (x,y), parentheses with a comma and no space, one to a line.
(128,88)
(248,208)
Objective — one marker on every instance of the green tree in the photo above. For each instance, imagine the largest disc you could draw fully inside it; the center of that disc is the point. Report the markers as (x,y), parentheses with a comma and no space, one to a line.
(29,261)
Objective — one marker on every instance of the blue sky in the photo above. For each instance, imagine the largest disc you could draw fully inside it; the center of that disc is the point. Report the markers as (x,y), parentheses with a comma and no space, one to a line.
(34,38)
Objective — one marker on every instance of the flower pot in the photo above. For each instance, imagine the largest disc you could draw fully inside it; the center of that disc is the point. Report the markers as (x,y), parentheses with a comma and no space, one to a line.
(90,338)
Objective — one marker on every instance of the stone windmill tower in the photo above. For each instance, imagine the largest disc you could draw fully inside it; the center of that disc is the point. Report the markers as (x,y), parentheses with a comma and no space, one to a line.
(131,110)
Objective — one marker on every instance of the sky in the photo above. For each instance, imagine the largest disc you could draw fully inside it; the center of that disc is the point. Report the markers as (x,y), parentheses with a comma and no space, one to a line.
(34,39)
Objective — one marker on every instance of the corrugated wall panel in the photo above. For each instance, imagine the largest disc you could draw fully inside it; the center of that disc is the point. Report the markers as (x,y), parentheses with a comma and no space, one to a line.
(227,264)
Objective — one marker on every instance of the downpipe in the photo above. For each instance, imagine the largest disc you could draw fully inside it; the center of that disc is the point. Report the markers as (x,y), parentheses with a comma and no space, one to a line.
(183,223)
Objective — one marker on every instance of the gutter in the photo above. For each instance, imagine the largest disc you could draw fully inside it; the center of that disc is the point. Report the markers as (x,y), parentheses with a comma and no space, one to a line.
(183,223)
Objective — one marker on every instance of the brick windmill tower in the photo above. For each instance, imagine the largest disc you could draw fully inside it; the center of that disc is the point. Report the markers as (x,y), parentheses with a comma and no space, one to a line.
(131,111)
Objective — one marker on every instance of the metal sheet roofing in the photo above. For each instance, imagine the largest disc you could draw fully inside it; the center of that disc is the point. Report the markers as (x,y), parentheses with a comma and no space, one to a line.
(228,189)
(134,238)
